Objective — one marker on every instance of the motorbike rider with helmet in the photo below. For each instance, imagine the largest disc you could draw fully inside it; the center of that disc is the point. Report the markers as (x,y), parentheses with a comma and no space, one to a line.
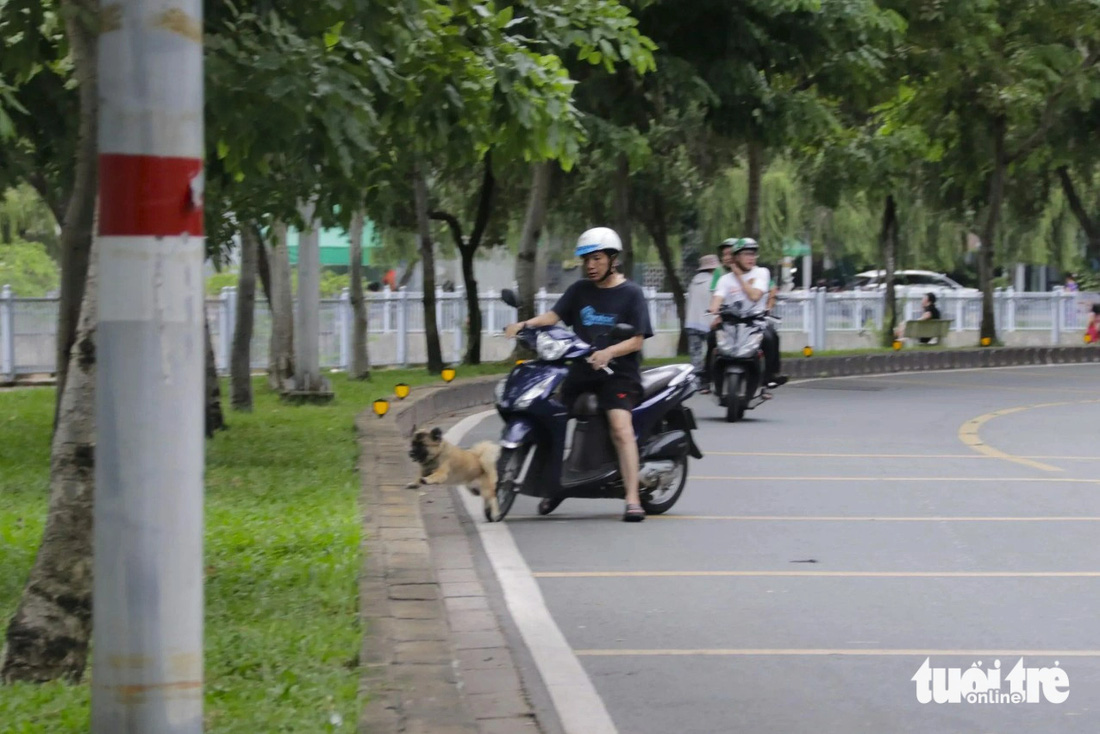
(592,306)
(748,282)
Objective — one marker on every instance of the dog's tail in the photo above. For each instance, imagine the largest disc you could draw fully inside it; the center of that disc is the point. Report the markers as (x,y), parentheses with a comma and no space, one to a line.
(487,454)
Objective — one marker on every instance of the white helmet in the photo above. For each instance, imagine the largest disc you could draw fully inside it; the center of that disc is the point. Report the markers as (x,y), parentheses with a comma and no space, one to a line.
(597,239)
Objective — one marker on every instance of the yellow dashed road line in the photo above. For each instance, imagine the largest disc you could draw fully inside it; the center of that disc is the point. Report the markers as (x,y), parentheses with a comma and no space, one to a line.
(969,434)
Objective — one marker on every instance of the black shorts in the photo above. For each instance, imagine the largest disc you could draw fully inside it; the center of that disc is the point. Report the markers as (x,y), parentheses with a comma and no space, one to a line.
(613,392)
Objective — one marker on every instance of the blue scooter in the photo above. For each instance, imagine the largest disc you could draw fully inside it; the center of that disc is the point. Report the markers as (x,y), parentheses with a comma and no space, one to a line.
(554,451)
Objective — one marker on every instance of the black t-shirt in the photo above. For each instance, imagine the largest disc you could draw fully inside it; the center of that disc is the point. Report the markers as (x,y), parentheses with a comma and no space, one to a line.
(593,311)
(932,311)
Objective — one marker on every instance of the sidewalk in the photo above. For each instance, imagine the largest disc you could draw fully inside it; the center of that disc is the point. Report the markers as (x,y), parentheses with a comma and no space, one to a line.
(434,657)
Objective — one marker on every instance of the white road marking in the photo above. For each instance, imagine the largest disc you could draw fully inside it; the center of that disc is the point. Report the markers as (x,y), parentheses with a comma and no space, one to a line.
(579,706)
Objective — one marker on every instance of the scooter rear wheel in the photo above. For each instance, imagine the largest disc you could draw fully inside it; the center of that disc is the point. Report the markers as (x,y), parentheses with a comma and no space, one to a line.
(509,465)
(664,502)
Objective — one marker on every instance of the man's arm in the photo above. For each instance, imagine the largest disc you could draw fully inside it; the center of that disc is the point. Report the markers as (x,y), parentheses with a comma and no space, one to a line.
(752,293)
(598,360)
(545,319)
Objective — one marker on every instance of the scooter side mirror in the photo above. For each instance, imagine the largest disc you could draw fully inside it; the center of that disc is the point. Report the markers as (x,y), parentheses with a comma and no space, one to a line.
(622,332)
(509,296)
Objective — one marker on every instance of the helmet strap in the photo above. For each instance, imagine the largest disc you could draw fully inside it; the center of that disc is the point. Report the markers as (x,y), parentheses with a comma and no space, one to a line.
(611,257)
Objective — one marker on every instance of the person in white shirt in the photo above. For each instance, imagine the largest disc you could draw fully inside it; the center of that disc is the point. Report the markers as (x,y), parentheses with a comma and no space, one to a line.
(749,283)
(697,319)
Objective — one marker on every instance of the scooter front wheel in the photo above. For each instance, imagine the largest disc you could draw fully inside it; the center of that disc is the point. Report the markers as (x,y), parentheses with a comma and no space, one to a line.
(509,465)
(735,408)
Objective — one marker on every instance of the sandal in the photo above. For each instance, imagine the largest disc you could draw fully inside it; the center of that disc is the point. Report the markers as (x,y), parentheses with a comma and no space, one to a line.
(634,513)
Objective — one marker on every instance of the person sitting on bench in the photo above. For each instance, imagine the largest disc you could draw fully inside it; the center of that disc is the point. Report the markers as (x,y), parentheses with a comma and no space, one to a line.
(930,313)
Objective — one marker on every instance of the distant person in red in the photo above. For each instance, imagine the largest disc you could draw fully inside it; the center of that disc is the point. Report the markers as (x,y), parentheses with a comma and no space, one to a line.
(1092,331)
(390,280)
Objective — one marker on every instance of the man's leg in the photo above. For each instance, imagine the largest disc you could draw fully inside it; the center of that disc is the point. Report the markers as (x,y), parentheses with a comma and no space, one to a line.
(770,344)
(621,424)
(697,346)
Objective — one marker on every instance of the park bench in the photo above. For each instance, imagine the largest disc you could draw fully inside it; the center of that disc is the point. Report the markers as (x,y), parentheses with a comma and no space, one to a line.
(928,329)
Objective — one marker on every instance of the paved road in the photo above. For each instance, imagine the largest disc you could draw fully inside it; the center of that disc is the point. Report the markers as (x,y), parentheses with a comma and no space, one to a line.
(828,545)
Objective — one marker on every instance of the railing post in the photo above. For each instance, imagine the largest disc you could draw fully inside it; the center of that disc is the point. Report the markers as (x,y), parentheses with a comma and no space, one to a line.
(228,322)
(651,303)
(403,327)
(438,308)
(387,305)
(1056,312)
(960,312)
(7,335)
(820,321)
(457,310)
(540,302)
(490,311)
(1010,309)
(344,321)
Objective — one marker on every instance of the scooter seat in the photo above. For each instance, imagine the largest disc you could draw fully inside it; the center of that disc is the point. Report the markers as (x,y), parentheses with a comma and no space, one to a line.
(586,405)
(657,379)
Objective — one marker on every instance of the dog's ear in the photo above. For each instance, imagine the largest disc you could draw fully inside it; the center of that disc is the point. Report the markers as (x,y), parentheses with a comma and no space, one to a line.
(437,434)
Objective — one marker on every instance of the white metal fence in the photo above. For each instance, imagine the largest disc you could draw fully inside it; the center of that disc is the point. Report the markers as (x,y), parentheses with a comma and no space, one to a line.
(396,324)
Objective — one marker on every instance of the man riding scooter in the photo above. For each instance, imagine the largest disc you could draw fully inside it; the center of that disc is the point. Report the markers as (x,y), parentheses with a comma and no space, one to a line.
(593,306)
(749,283)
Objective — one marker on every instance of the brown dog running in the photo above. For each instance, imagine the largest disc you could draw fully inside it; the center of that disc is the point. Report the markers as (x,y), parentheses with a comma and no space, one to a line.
(441,462)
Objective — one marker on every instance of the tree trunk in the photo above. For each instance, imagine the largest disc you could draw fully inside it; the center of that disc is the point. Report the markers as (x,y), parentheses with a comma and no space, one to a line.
(307,345)
(280,365)
(473,308)
(888,242)
(240,362)
(48,636)
(410,269)
(215,418)
(263,268)
(76,229)
(533,221)
(658,230)
(427,257)
(622,214)
(756,175)
(989,231)
(359,369)
(1089,224)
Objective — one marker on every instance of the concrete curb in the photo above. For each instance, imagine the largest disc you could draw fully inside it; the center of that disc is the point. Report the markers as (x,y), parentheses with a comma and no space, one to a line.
(923,358)
(434,657)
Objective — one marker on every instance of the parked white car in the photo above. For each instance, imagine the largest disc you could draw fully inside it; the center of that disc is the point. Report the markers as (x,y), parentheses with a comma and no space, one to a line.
(913,283)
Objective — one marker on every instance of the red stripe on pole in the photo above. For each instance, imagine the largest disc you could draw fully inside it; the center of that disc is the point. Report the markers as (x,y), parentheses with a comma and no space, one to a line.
(146,195)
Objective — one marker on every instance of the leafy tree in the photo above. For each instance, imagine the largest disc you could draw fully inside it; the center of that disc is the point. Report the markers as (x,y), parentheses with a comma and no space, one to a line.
(28,269)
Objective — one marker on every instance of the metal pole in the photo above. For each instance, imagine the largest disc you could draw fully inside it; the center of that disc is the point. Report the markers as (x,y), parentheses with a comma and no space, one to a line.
(148,590)
(7,334)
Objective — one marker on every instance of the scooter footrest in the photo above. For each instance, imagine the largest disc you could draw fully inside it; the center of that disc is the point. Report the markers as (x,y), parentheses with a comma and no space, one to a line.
(571,479)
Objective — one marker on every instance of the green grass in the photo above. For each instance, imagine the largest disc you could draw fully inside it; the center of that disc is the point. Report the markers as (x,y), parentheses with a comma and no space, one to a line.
(282,559)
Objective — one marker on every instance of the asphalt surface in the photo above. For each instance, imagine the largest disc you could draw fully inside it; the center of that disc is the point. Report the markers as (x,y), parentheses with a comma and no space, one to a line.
(825,547)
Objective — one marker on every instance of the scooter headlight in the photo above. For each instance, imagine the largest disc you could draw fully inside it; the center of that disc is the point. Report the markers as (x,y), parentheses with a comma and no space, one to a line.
(751,345)
(533,393)
(549,348)
(723,342)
